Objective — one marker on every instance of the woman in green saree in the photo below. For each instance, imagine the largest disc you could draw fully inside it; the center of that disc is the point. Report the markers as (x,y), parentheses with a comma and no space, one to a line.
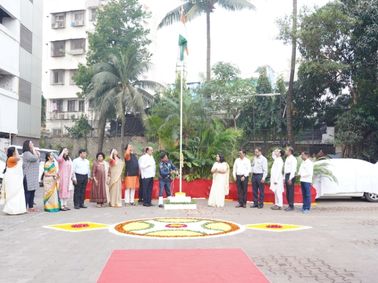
(50,183)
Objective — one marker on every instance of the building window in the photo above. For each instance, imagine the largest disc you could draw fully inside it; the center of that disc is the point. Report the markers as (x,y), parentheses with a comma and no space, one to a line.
(81,105)
(58,20)
(57,77)
(77,18)
(26,39)
(71,105)
(72,74)
(57,105)
(92,14)
(57,132)
(24,91)
(58,48)
(77,46)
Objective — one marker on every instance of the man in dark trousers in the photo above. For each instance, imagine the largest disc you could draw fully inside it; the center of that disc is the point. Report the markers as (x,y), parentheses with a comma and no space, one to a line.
(80,179)
(147,169)
(241,171)
(290,169)
(259,174)
(166,169)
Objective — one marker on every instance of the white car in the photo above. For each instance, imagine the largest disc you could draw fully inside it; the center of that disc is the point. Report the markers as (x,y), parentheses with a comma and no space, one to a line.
(3,160)
(355,178)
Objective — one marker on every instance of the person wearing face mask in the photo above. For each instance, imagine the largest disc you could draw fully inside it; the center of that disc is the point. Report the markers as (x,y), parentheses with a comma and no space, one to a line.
(277,179)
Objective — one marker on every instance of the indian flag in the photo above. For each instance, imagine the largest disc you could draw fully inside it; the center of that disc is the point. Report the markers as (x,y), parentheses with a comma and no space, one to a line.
(182,40)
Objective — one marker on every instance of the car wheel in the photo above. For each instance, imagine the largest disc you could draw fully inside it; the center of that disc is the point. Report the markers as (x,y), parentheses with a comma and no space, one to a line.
(371,197)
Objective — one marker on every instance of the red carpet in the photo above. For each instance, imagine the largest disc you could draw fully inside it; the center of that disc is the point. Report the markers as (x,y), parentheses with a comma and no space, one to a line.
(184,266)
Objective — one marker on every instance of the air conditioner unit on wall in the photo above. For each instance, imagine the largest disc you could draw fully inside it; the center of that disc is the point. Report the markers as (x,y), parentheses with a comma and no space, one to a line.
(77,51)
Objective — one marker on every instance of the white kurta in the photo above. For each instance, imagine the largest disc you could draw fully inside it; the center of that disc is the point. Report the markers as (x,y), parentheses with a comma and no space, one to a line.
(277,180)
(220,185)
(14,190)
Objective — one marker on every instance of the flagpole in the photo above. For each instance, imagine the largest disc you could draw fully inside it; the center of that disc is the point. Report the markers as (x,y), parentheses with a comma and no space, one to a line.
(181,110)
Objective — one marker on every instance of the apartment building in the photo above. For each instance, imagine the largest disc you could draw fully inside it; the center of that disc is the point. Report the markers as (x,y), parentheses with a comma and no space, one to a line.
(66,24)
(20,71)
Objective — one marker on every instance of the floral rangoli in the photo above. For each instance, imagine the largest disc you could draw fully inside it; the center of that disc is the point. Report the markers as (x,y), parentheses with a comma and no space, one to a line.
(177,228)
(78,227)
(276,227)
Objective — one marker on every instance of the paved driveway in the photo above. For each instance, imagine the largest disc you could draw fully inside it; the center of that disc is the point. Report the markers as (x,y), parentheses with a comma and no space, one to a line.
(342,245)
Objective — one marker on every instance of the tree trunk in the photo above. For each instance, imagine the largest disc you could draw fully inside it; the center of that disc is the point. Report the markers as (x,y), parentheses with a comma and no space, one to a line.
(123,123)
(208,47)
(290,135)
(101,133)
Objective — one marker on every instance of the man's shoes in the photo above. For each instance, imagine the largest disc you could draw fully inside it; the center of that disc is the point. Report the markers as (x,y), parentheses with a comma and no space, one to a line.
(161,206)
(254,206)
(77,207)
(289,208)
(239,205)
(305,211)
(275,207)
(260,206)
(147,204)
(83,206)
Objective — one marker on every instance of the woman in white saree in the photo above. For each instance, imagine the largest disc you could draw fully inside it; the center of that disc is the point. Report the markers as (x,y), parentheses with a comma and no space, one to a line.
(220,185)
(13,187)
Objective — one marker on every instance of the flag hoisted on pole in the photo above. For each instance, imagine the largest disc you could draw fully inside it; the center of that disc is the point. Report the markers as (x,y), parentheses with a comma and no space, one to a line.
(182,40)
(183,46)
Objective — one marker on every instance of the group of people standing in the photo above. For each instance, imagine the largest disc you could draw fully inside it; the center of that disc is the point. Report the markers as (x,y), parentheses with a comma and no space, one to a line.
(65,178)
(282,174)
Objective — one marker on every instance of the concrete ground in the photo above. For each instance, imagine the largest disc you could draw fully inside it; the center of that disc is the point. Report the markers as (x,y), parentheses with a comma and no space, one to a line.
(342,246)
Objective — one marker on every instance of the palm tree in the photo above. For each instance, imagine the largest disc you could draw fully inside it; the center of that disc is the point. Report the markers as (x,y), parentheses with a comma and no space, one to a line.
(194,8)
(289,117)
(116,89)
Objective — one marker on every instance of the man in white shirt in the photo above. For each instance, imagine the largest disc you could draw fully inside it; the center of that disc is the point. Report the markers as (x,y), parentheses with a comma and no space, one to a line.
(80,179)
(306,170)
(147,167)
(259,174)
(240,172)
(290,170)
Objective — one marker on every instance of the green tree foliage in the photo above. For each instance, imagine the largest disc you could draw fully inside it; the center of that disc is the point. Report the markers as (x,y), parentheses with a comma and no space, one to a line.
(195,8)
(119,25)
(203,135)
(357,133)
(115,86)
(80,129)
(228,92)
(261,118)
(338,43)
(117,55)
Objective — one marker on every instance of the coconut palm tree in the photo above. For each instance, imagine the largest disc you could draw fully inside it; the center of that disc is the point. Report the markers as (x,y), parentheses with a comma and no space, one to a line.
(194,8)
(289,114)
(116,89)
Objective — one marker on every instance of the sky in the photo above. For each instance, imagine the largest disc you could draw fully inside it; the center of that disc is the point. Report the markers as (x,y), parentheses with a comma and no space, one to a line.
(247,39)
